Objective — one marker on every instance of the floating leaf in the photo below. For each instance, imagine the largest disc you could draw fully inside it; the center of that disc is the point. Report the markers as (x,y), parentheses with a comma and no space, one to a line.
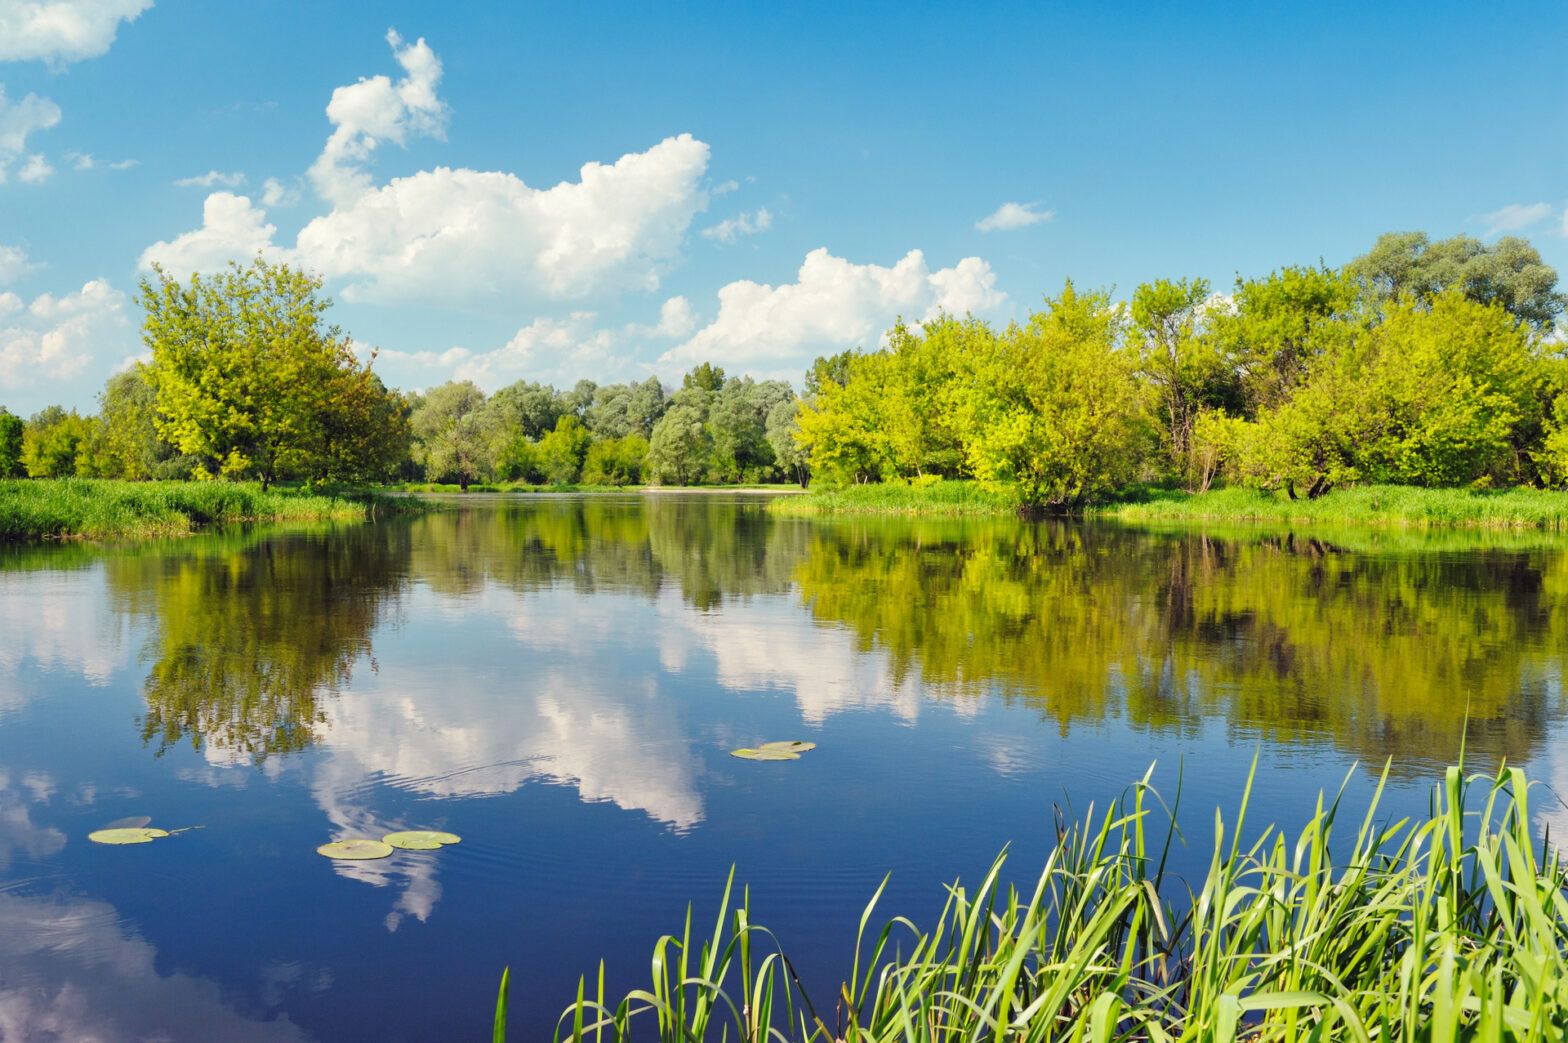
(130,822)
(420,839)
(789,746)
(359,847)
(765,754)
(132,835)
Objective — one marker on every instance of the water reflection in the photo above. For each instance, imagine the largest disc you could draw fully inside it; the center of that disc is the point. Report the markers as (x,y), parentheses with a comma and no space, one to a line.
(1303,641)
(56,620)
(73,969)
(1369,641)
(550,719)
(250,633)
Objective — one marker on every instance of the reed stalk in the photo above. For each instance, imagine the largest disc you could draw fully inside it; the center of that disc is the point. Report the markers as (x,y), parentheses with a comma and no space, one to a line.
(1449,927)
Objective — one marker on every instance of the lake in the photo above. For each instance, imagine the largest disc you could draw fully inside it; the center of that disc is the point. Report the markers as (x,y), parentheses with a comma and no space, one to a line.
(560,680)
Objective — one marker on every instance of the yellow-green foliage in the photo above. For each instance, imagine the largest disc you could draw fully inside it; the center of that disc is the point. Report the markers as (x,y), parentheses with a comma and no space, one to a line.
(1308,378)
(1052,406)
(1078,621)
(250,383)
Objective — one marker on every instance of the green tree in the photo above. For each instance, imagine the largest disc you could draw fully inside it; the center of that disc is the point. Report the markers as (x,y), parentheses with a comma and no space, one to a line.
(1185,369)
(645,405)
(455,434)
(1441,392)
(12,431)
(1551,458)
(528,410)
(619,410)
(366,436)
(55,442)
(841,429)
(563,450)
(1509,273)
(783,433)
(616,461)
(126,443)
(706,377)
(246,374)
(681,446)
(1053,405)
(737,422)
(1449,385)
(828,369)
(1278,326)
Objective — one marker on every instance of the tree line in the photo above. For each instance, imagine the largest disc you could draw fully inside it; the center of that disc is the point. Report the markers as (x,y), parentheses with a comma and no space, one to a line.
(246,380)
(1421,362)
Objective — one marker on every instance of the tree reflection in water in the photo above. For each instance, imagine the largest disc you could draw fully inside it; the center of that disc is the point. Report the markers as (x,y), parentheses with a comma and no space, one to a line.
(1378,643)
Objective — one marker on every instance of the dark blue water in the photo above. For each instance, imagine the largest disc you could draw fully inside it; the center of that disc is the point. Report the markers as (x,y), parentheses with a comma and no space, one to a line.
(560,682)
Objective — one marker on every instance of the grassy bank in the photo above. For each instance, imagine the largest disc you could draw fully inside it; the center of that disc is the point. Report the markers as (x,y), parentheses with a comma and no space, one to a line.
(524,487)
(93,507)
(1449,927)
(512,487)
(1388,505)
(949,498)
(1401,505)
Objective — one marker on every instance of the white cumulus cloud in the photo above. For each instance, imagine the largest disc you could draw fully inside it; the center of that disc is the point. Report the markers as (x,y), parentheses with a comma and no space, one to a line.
(54,338)
(13,264)
(374,110)
(210,178)
(731,229)
(232,230)
(552,350)
(832,305)
(1013,215)
(456,234)
(279,193)
(459,235)
(62,31)
(18,120)
(1515,217)
(35,170)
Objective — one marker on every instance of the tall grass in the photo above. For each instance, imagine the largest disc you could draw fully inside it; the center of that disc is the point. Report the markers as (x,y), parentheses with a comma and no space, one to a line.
(942,497)
(1367,504)
(98,508)
(1449,927)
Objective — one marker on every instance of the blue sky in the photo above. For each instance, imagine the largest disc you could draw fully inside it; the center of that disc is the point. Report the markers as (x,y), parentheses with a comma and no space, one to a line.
(514,191)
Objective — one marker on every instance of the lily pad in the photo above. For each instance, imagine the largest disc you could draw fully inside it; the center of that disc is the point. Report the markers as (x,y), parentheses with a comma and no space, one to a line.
(133,835)
(765,754)
(358,847)
(420,839)
(789,746)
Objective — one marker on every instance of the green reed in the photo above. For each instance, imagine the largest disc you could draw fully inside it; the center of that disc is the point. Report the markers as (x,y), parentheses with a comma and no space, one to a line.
(1449,927)
(93,507)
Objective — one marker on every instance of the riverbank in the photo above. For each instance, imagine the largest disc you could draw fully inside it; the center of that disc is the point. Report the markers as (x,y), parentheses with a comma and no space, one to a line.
(523,488)
(936,498)
(94,508)
(1410,931)
(1381,505)
(1389,505)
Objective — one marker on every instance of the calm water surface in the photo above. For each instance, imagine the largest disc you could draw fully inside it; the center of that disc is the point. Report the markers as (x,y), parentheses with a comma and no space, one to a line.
(559,680)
